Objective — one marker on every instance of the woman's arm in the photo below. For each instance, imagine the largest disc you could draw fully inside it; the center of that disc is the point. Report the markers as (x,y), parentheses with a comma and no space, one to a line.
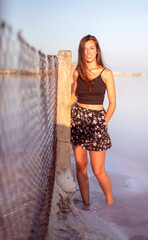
(74,95)
(108,78)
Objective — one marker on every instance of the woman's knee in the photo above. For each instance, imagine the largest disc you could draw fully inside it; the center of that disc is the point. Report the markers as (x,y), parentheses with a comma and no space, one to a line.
(100,174)
(81,167)
(80,158)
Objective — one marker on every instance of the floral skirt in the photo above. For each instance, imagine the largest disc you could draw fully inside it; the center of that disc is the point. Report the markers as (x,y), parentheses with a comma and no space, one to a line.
(88,129)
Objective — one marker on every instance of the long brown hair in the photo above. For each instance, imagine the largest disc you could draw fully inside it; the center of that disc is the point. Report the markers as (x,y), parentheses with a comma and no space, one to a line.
(81,66)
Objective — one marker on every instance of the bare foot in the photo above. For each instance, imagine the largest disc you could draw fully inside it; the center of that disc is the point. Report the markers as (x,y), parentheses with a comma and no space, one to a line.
(85,206)
(109,198)
(110,202)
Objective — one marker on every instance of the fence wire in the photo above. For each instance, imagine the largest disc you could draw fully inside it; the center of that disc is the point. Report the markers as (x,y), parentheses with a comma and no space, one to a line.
(28,93)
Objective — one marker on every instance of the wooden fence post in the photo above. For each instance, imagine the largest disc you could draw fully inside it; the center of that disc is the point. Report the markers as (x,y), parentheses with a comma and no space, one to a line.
(63,172)
(64,179)
(63,110)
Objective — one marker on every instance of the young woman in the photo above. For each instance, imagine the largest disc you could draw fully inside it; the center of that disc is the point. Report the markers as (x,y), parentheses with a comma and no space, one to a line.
(89,119)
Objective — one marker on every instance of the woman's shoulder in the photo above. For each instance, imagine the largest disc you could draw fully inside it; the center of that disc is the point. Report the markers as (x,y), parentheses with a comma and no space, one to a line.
(75,76)
(107,73)
(75,73)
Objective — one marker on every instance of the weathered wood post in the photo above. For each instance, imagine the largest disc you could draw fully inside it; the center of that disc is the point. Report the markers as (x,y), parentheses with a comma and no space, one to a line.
(63,174)
(64,179)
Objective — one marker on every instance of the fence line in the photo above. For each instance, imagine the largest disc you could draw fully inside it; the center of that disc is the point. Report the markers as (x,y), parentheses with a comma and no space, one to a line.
(17,56)
(28,140)
(35,92)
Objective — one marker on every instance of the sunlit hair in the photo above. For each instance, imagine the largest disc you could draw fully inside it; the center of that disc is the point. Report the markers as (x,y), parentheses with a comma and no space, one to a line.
(82,66)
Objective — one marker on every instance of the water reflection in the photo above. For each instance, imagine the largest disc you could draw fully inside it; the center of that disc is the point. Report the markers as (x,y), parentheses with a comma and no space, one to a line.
(129,131)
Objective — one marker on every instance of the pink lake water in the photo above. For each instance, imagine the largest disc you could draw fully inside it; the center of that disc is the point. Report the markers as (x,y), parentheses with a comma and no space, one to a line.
(127,166)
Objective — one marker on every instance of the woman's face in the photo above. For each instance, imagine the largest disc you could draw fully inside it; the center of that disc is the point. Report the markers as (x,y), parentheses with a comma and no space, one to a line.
(90,51)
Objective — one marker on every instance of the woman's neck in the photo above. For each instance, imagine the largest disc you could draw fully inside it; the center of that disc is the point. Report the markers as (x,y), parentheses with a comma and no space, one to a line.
(92,65)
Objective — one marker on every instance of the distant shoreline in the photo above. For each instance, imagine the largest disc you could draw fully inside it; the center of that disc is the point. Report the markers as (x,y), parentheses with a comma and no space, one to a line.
(123,74)
(36,71)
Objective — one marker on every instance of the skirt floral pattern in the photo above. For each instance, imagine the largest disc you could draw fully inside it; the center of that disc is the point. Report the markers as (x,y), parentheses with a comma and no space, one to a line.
(88,129)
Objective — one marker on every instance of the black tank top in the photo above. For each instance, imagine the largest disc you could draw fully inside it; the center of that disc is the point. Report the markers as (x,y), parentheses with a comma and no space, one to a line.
(94,97)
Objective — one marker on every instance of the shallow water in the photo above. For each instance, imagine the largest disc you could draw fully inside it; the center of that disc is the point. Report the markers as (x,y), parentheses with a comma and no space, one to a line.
(127,166)
(128,129)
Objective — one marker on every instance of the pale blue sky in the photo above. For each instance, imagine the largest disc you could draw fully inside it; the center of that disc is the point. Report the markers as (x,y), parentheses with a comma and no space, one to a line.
(52,25)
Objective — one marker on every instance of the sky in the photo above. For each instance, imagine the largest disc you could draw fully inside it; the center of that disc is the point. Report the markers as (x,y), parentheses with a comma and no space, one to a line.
(52,25)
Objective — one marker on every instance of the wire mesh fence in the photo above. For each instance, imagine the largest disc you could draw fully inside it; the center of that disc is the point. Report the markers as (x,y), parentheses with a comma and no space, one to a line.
(28,137)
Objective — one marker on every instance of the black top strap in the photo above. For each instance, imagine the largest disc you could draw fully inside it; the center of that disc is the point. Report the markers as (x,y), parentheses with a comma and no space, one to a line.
(102,71)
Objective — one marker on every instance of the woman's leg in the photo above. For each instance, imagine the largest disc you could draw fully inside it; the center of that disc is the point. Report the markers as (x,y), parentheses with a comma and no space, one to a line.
(98,166)
(81,169)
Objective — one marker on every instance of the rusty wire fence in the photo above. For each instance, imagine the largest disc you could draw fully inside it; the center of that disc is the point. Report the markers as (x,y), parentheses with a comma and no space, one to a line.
(28,137)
